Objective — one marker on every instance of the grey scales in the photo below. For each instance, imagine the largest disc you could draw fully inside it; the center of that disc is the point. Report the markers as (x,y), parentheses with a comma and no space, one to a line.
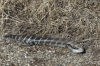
(34,40)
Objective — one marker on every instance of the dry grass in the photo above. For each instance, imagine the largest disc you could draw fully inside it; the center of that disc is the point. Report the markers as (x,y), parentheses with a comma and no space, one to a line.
(78,20)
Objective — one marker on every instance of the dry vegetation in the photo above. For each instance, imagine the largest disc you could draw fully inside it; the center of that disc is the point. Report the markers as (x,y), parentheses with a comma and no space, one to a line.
(78,20)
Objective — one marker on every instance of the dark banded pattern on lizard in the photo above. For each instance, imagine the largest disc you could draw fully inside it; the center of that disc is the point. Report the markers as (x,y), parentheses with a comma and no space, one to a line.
(33,40)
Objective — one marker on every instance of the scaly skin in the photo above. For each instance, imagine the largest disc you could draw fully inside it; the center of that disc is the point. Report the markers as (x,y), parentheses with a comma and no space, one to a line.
(32,40)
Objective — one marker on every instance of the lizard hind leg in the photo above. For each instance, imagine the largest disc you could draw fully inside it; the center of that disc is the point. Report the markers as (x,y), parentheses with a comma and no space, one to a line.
(31,43)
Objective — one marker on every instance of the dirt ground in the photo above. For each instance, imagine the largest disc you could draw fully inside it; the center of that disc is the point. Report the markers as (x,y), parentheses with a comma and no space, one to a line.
(77,20)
